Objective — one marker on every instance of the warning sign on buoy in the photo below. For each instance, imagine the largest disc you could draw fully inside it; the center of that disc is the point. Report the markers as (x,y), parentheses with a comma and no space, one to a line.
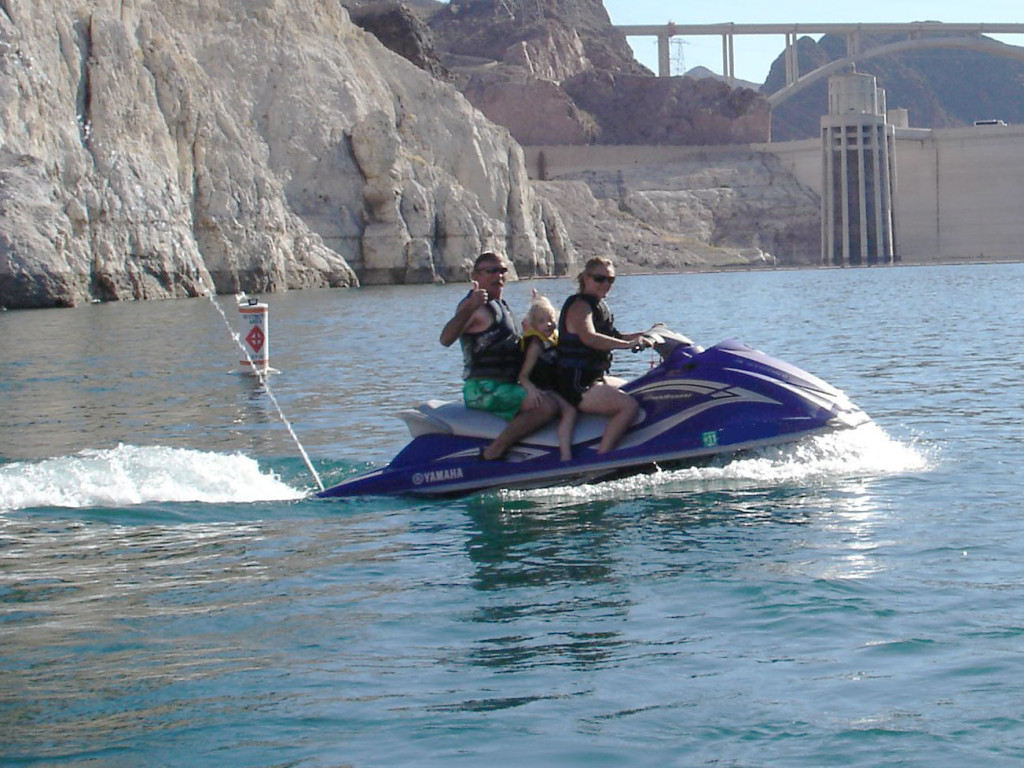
(255,339)
(255,332)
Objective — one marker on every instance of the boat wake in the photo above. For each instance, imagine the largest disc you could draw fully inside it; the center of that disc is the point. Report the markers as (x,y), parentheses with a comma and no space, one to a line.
(129,475)
(866,451)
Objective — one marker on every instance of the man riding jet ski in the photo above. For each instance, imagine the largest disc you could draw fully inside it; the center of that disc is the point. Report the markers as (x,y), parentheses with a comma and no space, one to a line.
(696,404)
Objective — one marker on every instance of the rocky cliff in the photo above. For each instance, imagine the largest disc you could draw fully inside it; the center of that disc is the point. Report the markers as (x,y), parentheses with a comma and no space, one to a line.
(714,209)
(152,149)
(558,72)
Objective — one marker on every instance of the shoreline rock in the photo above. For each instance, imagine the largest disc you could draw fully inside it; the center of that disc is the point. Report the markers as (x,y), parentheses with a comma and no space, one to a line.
(153,150)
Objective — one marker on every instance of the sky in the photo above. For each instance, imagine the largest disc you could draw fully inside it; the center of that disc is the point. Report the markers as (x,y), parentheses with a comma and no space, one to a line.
(753,54)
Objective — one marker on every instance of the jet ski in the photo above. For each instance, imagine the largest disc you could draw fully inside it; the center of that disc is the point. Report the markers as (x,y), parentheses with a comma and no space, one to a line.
(695,405)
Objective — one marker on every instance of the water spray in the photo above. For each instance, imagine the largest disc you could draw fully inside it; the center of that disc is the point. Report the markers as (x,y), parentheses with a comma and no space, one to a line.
(257,339)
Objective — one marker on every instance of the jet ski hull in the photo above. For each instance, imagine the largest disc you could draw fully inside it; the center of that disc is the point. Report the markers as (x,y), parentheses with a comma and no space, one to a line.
(696,405)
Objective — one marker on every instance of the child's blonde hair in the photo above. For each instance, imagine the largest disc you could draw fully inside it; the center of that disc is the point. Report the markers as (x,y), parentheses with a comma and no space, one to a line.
(540,306)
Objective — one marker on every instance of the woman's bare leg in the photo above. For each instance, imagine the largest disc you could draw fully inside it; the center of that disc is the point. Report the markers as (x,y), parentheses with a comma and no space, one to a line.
(566,424)
(612,402)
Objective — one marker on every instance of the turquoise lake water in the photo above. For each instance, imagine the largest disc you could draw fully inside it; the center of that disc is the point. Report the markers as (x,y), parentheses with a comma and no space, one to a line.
(171,595)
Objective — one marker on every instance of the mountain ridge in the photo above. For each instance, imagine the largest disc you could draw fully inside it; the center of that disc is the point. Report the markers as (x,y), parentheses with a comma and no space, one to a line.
(939,88)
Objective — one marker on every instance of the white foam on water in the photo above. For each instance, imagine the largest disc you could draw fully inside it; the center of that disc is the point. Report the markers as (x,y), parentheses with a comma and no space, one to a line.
(129,475)
(864,451)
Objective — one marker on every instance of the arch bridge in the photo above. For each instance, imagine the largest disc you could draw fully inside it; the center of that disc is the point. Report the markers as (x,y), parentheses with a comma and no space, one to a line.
(920,35)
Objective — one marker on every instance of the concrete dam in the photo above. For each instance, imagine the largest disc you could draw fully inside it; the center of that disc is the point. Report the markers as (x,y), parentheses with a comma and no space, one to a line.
(889,192)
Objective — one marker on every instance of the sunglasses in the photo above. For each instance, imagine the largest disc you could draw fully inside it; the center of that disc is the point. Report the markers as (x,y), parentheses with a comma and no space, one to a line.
(494,270)
(602,278)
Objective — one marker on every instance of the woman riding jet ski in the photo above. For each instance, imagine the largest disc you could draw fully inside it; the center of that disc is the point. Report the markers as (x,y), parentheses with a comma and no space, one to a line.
(698,403)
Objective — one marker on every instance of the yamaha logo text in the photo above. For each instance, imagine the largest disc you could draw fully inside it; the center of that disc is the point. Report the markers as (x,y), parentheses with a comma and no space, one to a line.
(437,476)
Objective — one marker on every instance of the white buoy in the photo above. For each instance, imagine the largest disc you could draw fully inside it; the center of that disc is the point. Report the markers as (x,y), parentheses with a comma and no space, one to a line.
(254,334)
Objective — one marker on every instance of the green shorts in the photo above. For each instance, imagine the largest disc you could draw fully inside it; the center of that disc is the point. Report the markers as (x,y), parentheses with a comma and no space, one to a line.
(502,398)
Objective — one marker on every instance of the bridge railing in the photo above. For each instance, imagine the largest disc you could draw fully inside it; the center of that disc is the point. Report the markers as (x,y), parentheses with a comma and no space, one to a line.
(853,31)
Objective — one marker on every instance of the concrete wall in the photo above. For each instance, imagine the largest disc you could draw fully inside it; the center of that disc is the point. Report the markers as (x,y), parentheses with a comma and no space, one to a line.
(959,191)
(801,158)
(559,160)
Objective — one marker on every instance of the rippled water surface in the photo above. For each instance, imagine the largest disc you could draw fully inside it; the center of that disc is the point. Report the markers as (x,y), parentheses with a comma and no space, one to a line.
(171,595)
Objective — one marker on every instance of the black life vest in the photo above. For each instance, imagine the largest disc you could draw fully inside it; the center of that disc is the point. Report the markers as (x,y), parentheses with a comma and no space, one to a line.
(494,353)
(572,352)
(543,373)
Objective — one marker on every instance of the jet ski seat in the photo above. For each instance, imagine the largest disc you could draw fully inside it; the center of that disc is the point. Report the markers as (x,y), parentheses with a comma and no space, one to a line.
(454,418)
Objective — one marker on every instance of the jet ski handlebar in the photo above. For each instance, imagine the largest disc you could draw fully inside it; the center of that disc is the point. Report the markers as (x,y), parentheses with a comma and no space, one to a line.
(664,340)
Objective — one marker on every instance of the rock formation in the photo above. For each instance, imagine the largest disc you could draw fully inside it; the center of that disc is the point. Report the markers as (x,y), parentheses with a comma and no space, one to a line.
(402,30)
(670,110)
(722,209)
(558,72)
(153,150)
